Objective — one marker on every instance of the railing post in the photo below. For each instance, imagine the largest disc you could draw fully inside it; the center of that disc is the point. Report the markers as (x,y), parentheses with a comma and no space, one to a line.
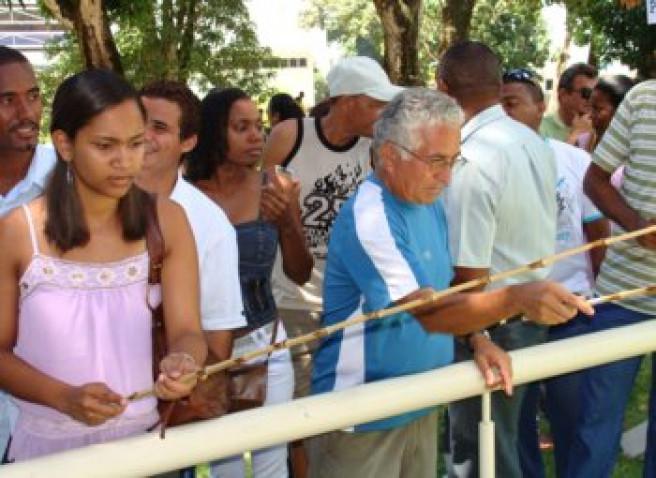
(486,438)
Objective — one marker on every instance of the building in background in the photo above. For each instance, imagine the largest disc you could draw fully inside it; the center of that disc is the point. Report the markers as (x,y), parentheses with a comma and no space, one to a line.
(27,30)
(304,56)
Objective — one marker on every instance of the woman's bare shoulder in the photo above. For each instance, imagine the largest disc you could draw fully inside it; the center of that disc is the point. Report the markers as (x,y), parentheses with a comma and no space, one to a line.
(15,239)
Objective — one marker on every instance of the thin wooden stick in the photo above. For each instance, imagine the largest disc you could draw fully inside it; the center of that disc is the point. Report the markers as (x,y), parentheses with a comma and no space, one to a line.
(434,297)
(626,294)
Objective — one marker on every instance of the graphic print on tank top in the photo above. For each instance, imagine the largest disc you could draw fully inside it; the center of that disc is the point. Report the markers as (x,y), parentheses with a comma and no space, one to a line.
(321,205)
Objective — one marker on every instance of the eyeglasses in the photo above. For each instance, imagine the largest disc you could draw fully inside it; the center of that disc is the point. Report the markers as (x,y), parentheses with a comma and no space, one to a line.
(585,92)
(436,163)
(519,74)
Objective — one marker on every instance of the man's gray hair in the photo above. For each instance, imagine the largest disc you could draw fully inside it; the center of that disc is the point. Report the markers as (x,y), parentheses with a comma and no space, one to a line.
(410,110)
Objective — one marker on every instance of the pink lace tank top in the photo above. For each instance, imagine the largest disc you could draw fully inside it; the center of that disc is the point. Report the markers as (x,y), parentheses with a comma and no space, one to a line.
(79,323)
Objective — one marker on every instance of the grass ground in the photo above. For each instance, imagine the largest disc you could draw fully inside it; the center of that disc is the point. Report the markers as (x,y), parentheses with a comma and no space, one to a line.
(626,468)
(636,413)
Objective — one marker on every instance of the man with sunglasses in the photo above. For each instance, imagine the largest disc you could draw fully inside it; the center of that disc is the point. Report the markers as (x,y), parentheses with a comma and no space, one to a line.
(501,210)
(578,222)
(572,119)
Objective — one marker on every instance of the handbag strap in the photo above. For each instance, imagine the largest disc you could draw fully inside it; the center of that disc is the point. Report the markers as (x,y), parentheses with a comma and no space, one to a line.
(155,248)
(154,242)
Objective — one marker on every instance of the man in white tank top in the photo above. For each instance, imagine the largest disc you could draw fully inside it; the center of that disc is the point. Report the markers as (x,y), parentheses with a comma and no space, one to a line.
(24,164)
(330,157)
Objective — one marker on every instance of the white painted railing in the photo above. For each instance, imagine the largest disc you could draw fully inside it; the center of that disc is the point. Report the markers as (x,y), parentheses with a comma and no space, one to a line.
(262,427)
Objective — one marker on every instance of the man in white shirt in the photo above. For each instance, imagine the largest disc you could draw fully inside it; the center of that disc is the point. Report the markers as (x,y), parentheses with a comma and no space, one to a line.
(578,222)
(172,125)
(501,210)
(24,164)
(173,118)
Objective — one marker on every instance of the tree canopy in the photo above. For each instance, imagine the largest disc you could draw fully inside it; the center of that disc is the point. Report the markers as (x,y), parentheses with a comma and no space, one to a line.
(514,29)
(208,43)
(615,32)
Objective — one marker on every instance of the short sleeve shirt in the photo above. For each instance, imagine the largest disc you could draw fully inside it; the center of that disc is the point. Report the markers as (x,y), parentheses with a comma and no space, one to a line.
(381,249)
(501,203)
(553,127)
(34,182)
(221,306)
(630,141)
(574,210)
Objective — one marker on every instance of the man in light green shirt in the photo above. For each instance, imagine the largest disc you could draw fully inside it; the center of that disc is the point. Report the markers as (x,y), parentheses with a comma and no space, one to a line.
(573,115)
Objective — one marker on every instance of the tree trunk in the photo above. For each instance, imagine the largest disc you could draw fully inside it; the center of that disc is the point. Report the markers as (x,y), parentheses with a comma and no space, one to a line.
(400,20)
(456,21)
(593,57)
(89,21)
(187,18)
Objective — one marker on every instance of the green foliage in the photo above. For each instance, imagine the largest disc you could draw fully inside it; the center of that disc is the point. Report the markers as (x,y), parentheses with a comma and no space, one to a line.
(514,29)
(66,60)
(203,42)
(354,24)
(616,33)
(211,42)
(320,85)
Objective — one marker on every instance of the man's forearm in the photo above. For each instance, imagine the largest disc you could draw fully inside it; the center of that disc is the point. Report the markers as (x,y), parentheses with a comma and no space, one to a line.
(608,200)
(463,313)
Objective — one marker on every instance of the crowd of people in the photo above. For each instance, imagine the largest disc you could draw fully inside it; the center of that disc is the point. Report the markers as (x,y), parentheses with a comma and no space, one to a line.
(384,195)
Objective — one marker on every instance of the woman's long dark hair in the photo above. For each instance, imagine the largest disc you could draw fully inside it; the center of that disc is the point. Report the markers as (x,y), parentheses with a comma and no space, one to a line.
(78,100)
(615,87)
(212,147)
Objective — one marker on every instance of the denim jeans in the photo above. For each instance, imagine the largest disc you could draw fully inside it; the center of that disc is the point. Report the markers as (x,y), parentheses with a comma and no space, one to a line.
(604,393)
(465,414)
(561,406)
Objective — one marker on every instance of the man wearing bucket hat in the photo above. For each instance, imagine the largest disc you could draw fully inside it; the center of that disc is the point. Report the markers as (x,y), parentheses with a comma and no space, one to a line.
(330,157)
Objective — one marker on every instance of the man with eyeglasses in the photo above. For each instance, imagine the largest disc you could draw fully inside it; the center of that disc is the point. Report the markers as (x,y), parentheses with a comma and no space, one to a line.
(501,210)
(389,244)
(572,119)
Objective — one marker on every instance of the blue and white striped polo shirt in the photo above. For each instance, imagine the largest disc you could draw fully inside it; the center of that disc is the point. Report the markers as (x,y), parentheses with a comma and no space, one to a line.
(380,250)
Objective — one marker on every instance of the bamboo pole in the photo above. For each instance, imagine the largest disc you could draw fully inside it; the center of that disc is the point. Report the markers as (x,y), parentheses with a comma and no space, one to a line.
(263,427)
(413,304)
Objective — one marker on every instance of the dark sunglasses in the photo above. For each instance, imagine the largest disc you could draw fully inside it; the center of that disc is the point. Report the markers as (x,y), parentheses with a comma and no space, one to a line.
(519,74)
(585,92)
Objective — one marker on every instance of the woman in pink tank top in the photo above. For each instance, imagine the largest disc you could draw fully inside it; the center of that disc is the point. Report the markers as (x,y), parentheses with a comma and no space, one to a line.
(75,326)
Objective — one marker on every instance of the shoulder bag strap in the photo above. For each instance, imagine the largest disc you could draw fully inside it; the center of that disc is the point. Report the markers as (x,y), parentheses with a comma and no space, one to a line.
(154,242)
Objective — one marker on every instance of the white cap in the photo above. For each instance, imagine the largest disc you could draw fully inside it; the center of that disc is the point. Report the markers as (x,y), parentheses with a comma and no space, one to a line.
(360,75)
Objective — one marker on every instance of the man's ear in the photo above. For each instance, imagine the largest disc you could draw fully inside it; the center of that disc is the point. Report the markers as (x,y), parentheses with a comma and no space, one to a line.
(188,144)
(442,86)
(560,94)
(63,144)
(386,153)
(542,107)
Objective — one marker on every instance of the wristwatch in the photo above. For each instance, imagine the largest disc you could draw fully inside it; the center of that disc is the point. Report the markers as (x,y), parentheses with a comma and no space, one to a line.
(467,338)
